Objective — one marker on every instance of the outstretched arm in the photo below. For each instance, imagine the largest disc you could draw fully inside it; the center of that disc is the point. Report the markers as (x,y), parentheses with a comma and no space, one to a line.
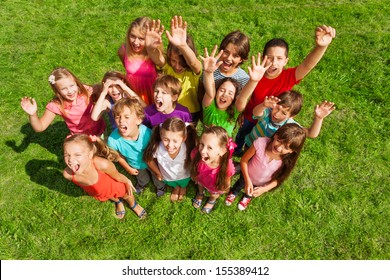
(324,36)
(154,44)
(320,112)
(210,64)
(178,38)
(29,105)
(255,74)
(269,102)
(129,92)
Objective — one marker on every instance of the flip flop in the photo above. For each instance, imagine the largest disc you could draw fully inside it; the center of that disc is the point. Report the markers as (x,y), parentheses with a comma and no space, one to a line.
(141,215)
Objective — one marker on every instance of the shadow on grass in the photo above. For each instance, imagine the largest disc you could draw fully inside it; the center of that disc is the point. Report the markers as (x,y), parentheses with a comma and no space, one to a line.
(48,173)
(51,139)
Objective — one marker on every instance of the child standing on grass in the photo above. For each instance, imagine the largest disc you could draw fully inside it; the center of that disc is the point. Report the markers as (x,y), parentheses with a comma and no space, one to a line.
(166,93)
(267,163)
(89,167)
(130,139)
(212,166)
(113,88)
(181,61)
(168,155)
(220,105)
(277,79)
(140,69)
(274,112)
(72,101)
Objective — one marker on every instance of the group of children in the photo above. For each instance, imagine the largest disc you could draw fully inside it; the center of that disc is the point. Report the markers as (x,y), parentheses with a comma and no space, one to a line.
(155,107)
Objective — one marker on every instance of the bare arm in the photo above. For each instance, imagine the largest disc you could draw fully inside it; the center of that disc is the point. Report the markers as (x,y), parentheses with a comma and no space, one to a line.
(210,64)
(29,105)
(255,74)
(154,167)
(153,43)
(122,161)
(244,169)
(129,92)
(320,112)
(121,54)
(102,104)
(178,38)
(324,36)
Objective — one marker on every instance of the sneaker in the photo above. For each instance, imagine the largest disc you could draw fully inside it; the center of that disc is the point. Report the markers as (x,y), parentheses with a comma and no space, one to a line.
(230,198)
(244,202)
(160,193)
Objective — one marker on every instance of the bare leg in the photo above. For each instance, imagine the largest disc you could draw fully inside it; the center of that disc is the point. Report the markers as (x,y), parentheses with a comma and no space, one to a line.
(182,193)
(119,207)
(175,194)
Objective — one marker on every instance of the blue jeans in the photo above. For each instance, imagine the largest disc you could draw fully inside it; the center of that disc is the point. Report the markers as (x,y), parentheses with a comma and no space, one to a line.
(244,130)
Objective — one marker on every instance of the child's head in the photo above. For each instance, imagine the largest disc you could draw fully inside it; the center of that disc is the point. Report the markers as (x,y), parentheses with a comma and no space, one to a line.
(172,133)
(290,105)
(65,85)
(79,150)
(235,48)
(276,51)
(166,93)
(135,36)
(227,90)
(213,151)
(176,59)
(287,142)
(128,114)
(115,91)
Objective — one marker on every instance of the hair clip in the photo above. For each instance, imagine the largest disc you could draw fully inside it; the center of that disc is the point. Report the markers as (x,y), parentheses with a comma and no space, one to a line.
(92,138)
(52,79)
(230,145)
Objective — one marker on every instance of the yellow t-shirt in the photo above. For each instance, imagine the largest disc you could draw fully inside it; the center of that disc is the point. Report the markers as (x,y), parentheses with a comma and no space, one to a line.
(189,83)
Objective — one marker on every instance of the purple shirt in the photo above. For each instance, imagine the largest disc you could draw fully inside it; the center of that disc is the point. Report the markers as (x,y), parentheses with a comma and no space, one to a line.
(154,117)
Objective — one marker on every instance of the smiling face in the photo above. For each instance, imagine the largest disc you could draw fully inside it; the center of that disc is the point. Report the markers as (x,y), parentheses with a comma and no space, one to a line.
(67,88)
(276,56)
(137,40)
(164,100)
(115,91)
(279,148)
(225,95)
(230,60)
(174,61)
(210,149)
(280,114)
(128,123)
(77,156)
(172,141)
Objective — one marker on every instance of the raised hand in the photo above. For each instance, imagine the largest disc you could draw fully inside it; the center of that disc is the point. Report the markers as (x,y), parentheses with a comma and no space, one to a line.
(258,68)
(178,35)
(211,63)
(271,101)
(324,35)
(324,109)
(29,105)
(153,34)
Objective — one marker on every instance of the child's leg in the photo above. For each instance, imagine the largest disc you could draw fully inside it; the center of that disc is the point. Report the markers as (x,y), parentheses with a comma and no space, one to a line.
(238,186)
(175,194)
(182,193)
(197,201)
(119,207)
(143,178)
(210,203)
(138,209)
(160,186)
(245,129)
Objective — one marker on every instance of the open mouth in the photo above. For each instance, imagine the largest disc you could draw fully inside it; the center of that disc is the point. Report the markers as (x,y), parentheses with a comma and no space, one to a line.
(226,65)
(122,129)
(159,104)
(75,167)
(205,158)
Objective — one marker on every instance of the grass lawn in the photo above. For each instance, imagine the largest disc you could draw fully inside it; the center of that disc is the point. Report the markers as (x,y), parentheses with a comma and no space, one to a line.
(335,205)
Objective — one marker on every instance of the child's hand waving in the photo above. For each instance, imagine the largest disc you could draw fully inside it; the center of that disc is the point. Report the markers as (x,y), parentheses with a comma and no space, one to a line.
(271,101)
(258,69)
(153,34)
(178,35)
(211,63)
(29,105)
(324,109)
(325,35)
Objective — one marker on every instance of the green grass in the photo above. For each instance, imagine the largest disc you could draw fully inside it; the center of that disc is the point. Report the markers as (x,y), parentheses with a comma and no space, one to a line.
(334,205)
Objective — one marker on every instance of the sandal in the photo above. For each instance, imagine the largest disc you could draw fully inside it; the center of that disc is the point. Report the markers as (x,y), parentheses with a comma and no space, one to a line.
(207,210)
(119,214)
(141,215)
(197,202)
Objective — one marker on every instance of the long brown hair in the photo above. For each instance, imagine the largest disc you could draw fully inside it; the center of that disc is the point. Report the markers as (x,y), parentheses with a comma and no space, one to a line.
(173,49)
(293,136)
(60,73)
(223,138)
(95,144)
(173,125)
(237,86)
(109,75)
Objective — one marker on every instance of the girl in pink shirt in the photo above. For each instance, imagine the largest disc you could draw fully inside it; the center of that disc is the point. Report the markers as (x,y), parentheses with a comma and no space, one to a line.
(267,163)
(212,167)
(72,101)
